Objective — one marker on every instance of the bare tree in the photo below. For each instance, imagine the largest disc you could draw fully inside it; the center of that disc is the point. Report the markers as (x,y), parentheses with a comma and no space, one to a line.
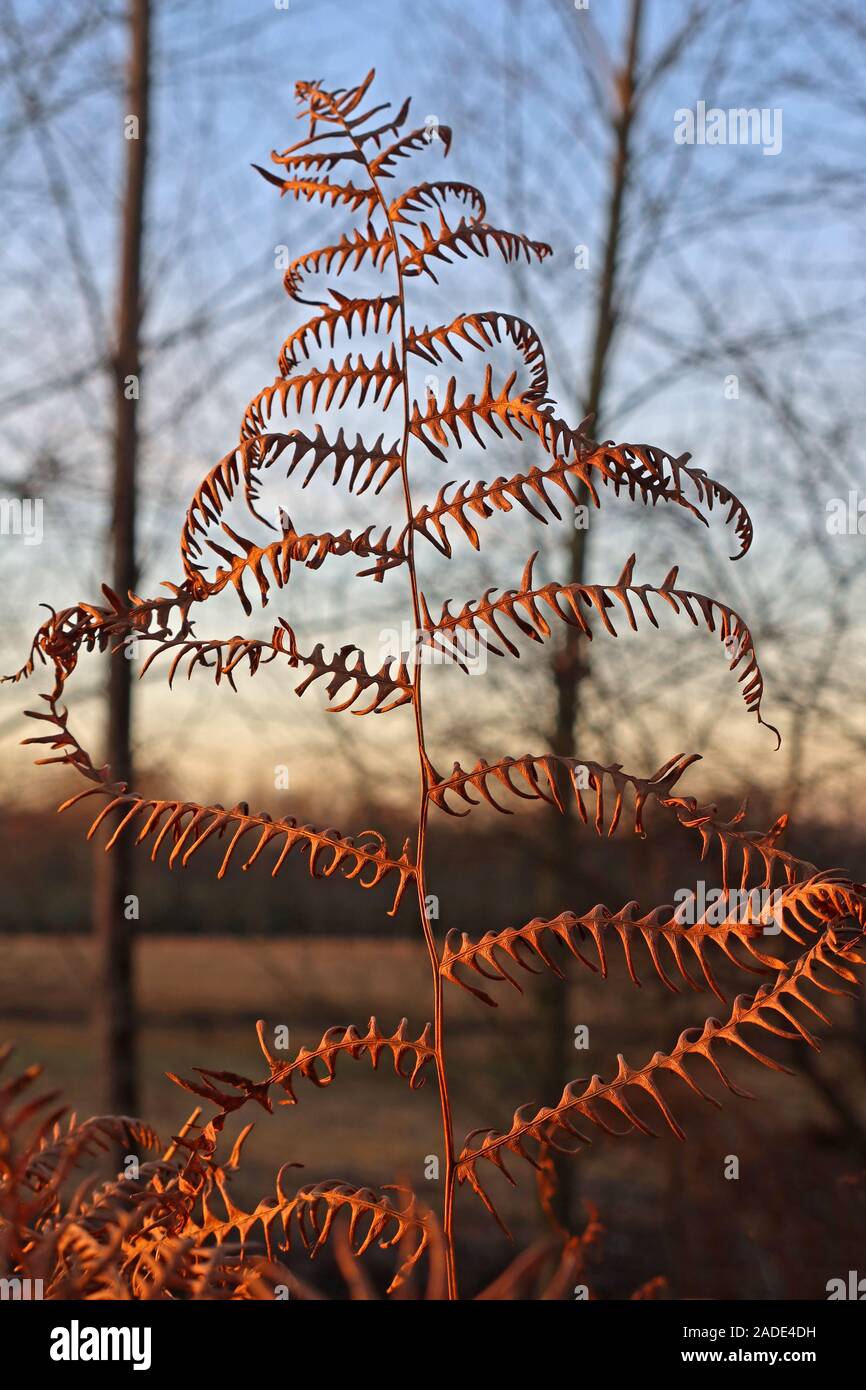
(113,874)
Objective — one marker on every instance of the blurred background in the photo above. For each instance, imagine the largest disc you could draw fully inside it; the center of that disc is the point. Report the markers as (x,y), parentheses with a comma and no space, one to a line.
(701,297)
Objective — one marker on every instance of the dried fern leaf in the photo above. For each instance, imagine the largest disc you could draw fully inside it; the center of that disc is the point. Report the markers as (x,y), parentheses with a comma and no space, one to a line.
(373,1217)
(480,331)
(271,565)
(387,689)
(446,242)
(539,778)
(53,1158)
(524,946)
(528,608)
(433,195)
(344,312)
(186,825)
(317,1065)
(600,1103)
(378,379)
(638,470)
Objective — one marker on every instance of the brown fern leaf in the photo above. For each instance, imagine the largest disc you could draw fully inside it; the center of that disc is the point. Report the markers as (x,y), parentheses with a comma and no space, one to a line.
(317,1065)
(85,627)
(555,1125)
(433,195)
(754,847)
(380,376)
(539,778)
(271,565)
(418,139)
(343,312)
(527,606)
(56,1155)
(477,237)
(530,491)
(179,1268)
(218,1225)
(245,464)
(373,1217)
(323,190)
(816,902)
(185,826)
(175,1231)
(388,688)
(661,926)
(323,161)
(439,424)
(354,249)
(488,328)
(639,470)
(325,108)
(333,108)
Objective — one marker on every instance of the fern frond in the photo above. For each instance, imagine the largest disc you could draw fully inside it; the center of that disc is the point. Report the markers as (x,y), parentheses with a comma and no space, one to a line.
(56,1155)
(219,1225)
(373,1217)
(364,244)
(330,108)
(600,1102)
(322,189)
(489,327)
(433,195)
(344,311)
(539,779)
(322,161)
(389,689)
(752,846)
(177,1267)
(271,565)
(175,1231)
(416,1052)
(245,464)
(418,139)
(185,826)
(524,945)
(477,237)
(224,656)
(638,470)
(317,1065)
(379,376)
(527,606)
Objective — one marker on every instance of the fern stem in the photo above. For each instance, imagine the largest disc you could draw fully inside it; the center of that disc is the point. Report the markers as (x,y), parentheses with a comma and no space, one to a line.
(438,981)
(424,802)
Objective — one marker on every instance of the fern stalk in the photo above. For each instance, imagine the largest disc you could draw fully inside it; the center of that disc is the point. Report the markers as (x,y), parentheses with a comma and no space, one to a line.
(423,760)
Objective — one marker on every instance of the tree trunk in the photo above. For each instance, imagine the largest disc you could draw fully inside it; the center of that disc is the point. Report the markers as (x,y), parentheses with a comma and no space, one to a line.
(113,933)
(569,664)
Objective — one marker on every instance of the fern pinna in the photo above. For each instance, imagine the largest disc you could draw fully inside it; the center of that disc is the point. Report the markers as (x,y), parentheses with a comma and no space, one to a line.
(349,159)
